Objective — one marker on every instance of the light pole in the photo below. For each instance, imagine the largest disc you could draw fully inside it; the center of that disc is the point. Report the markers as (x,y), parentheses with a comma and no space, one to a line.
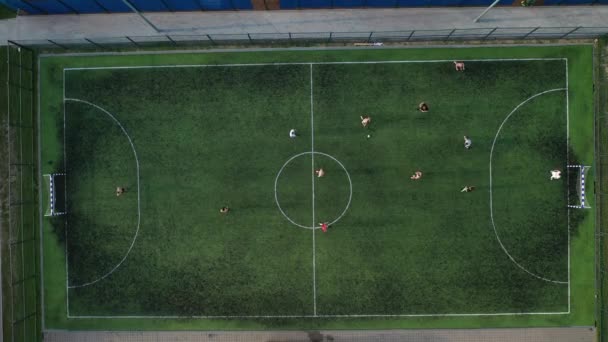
(128,3)
(486,11)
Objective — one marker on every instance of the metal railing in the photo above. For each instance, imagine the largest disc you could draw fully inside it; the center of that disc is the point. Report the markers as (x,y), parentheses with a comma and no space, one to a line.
(295,38)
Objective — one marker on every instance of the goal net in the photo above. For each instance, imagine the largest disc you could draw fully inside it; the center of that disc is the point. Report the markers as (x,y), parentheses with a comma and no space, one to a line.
(55,184)
(578,193)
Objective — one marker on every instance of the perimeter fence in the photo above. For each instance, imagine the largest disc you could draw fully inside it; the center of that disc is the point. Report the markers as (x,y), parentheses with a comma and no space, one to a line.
(304,38)
(601,125)
(20,238)
(21,241)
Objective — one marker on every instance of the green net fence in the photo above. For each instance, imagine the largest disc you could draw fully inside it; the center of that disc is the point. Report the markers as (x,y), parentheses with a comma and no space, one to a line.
(20,243)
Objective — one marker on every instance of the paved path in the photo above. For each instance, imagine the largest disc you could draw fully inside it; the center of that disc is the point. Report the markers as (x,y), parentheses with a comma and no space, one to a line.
(342,20)
(578,334)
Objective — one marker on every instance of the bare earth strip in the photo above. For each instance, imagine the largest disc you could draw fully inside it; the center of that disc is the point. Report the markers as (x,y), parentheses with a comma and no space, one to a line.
(575,334)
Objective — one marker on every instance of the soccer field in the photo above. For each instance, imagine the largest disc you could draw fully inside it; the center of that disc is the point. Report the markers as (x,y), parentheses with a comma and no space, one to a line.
(188,134)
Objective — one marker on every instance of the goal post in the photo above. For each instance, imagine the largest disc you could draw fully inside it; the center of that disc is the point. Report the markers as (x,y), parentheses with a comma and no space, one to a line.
(56,198)
(579,172)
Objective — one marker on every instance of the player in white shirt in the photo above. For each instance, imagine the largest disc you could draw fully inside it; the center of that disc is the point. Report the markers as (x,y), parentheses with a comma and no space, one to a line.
(555,174)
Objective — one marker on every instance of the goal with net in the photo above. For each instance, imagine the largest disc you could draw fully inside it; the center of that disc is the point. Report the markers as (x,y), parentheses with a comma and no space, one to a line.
(55,184)
(578,172)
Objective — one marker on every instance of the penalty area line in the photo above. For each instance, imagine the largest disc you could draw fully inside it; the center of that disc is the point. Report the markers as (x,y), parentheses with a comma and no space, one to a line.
(502,246)
(126,134)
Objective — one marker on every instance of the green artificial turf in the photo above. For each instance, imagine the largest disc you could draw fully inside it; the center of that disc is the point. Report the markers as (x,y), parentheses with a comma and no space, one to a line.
(207,137)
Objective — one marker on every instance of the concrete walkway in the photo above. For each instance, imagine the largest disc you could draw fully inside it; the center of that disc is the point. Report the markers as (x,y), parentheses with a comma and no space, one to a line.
(448,335)
(342,20)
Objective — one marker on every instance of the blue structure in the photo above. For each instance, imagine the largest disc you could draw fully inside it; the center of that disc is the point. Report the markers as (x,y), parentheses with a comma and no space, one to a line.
(114,6)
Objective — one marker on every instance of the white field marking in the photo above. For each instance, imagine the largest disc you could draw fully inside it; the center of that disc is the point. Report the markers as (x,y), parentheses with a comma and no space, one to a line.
(276,198)
(8,140)
(312,157)
(568,173)
(491,205)
(65,206)
(138,194)
(50,176)
(323,316)
(40,229)
(312,63)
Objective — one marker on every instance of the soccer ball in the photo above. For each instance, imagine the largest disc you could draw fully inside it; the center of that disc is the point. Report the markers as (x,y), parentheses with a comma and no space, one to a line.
(368,136)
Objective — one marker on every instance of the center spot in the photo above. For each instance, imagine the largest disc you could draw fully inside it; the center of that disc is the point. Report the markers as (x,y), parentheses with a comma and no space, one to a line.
(304,203)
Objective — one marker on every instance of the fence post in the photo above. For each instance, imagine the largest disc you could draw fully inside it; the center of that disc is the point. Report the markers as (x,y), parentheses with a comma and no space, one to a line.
(19,45)
(102,6)
(92,42)
(289,37)
(410,36)
(136,11)
(330,35)
(490,33)
(36,7)
(132,41)
(449,35)
(529,33)
(24,317)
(370,36)
(165,4)
(567,34)
(211,40)
(61,46)
(172,41)
(68,6)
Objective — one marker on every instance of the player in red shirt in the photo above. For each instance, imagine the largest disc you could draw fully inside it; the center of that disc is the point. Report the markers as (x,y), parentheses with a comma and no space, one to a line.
(324,226)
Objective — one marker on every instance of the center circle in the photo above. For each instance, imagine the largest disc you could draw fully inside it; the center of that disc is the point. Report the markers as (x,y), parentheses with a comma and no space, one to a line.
(276,197)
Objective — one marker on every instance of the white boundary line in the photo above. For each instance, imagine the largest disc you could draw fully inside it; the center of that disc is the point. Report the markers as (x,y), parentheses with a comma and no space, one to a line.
(327,316)
(138,194)
(312,162)
(568,175)
(491,202)
(40,228)
(65,206)
(311,63)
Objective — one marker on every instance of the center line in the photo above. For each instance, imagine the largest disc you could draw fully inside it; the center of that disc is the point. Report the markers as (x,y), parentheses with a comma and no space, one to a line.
(312,157)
